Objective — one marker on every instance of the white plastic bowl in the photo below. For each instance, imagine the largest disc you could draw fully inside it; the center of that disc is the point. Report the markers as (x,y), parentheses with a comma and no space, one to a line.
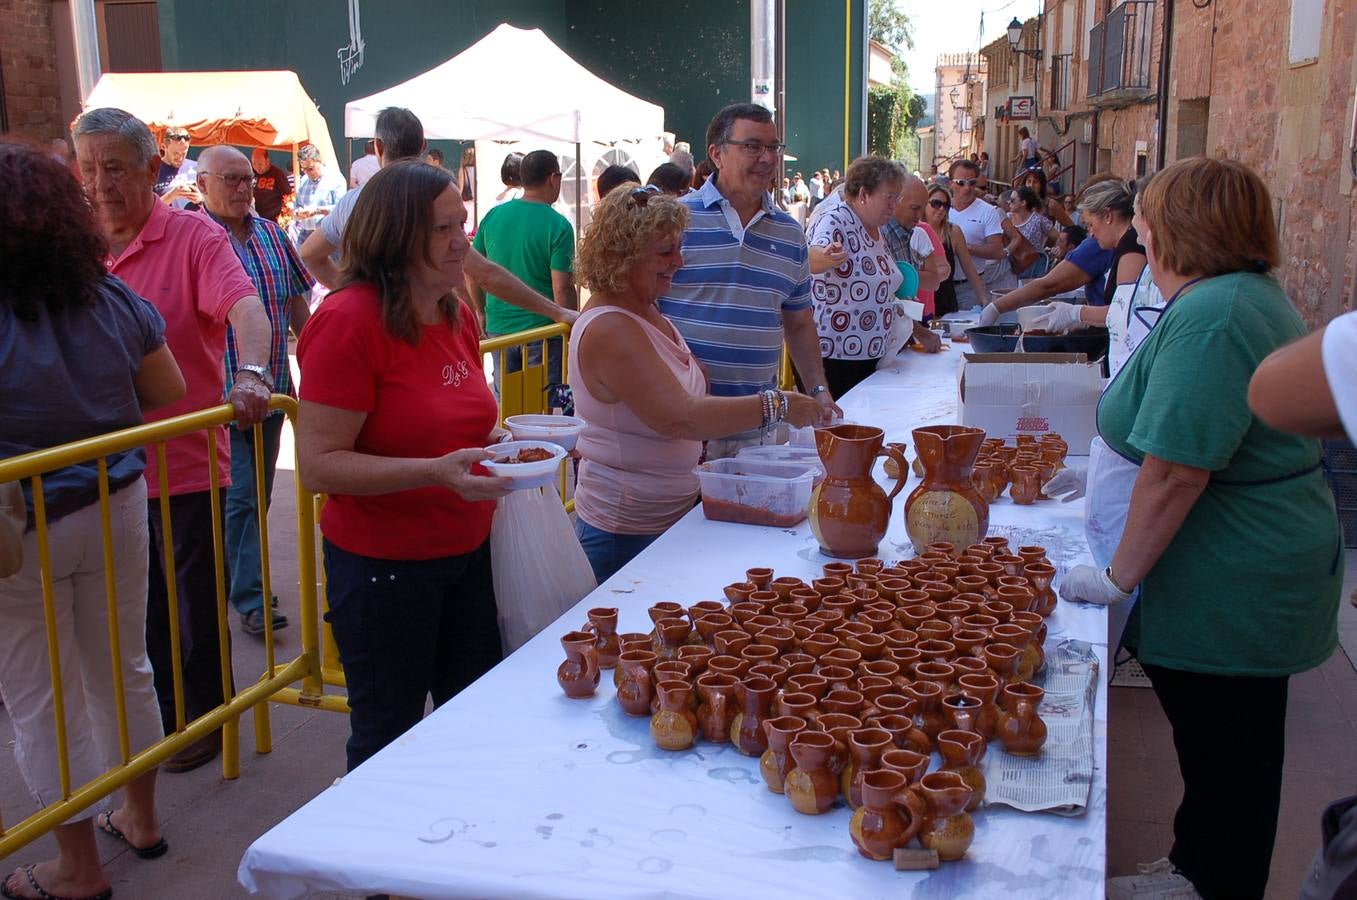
(562,431)
(525,475)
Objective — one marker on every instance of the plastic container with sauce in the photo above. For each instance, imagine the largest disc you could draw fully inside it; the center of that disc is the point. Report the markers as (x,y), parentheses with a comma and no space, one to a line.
(755,493)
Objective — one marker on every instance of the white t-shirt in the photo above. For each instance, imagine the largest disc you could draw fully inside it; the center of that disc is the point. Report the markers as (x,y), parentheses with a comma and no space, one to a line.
(362,169)
(977,222)
(1339,355)
(855,303)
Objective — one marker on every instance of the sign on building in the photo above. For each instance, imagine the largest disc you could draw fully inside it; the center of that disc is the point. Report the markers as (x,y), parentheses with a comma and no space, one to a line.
(1022,108)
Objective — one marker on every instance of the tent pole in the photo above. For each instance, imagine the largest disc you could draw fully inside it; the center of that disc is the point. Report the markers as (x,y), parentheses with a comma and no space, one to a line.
(579,166)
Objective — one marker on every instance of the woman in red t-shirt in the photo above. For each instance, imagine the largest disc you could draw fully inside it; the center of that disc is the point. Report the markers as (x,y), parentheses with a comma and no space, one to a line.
(395,415)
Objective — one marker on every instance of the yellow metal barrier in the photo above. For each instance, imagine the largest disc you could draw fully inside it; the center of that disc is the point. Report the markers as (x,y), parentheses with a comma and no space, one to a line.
(525,391)
(306,668)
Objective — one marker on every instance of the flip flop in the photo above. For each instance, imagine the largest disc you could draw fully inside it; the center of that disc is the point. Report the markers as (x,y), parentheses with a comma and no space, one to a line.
(105,822)
(42,894)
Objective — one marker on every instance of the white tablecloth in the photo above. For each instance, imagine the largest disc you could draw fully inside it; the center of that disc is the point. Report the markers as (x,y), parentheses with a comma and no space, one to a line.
(512,790)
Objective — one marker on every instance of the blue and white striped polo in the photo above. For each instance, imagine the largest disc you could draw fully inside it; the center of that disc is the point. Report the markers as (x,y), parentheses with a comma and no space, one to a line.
(728,298)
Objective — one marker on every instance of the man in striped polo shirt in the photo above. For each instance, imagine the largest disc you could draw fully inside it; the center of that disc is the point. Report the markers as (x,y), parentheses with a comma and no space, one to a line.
(745,282)
(226,181)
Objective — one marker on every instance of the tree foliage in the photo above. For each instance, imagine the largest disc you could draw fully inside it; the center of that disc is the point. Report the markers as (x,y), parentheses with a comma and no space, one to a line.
(893,111)
(890,25)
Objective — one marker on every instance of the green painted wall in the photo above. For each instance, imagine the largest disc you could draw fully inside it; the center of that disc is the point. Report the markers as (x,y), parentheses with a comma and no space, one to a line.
(690,56)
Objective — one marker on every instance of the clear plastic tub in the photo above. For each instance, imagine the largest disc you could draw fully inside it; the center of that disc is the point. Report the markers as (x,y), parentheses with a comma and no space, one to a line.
(786,454)
(754,493)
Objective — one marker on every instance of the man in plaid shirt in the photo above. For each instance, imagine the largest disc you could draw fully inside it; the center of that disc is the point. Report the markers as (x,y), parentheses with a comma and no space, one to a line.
(226,181)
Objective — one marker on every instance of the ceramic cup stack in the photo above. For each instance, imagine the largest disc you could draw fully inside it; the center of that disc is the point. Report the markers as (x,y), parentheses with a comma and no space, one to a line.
(1020,469)
(881,686)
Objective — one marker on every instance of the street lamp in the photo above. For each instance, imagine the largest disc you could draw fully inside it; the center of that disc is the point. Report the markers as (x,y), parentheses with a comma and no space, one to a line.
(1015,38)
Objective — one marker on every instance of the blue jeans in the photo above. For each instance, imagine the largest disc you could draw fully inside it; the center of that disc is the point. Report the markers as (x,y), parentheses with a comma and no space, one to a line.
(511,360)
(608,552)
(1038,268)
(408,629)
(242,516)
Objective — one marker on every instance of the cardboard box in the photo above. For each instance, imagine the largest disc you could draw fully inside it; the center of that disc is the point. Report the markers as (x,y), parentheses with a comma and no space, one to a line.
(1009,394)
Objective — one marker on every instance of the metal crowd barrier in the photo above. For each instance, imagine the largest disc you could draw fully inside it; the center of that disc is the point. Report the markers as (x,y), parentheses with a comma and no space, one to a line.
(306,668)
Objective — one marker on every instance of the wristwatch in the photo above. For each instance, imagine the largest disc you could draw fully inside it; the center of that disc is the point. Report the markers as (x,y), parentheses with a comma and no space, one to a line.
(818,390)
(259,372)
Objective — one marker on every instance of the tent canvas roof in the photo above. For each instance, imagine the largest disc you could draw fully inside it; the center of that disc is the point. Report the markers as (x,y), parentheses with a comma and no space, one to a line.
(512,84)
(251,109)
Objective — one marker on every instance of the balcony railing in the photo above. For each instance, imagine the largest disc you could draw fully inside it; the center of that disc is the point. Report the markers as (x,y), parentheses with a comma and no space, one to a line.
(1060,81)
(1119,52)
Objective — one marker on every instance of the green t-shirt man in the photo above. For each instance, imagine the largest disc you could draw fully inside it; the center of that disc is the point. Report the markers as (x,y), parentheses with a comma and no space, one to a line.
(1250,584)
(531,240)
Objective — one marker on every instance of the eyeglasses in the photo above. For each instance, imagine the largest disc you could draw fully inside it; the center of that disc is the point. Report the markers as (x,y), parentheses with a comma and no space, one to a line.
(234,181)
(641,195)
(939,204)
(755,149)
(177,136)
(965,182)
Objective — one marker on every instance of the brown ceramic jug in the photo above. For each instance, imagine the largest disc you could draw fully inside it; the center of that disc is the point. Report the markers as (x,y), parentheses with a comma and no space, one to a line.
(865,746)
(948,828)
(946,507)
(810,785)
(717,709)
(961,752)
(776,761)
(603,623)
(1020,729)
(985,688)
(1040,574)
(849,512)
(756,704)
(635,692)
(673,727)
(578,675)
(884,821)
(1026,484)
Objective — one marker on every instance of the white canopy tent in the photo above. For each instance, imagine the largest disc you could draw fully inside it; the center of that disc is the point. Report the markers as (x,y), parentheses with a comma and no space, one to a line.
(514,85)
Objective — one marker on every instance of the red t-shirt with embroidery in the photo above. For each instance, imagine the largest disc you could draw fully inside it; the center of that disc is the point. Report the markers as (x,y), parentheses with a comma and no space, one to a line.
(421,401)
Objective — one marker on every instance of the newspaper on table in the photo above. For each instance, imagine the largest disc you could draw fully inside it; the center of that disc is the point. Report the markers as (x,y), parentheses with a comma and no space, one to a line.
(1059,778)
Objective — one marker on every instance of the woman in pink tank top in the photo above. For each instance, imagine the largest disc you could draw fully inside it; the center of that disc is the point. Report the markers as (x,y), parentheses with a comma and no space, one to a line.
(639,388)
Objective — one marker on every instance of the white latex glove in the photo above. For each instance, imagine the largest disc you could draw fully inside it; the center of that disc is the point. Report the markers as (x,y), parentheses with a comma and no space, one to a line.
(989,315)
(1058,318)
(1070,481)
(1085,584)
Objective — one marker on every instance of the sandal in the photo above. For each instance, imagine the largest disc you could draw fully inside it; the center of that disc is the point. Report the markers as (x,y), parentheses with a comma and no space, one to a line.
(105,822)
(42,894)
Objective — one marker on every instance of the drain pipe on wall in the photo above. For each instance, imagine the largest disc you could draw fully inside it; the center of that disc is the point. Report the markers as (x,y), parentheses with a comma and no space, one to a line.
(1165,72)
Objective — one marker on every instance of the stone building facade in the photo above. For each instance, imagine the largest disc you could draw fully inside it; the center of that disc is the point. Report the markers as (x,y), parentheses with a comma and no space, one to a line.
(959,82)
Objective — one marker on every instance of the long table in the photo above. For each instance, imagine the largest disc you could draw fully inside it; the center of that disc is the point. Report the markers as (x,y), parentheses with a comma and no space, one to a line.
(511,790)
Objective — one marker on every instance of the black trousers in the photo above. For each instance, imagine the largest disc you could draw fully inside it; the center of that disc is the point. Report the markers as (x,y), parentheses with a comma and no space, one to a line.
(1226,824)
(196,586)
(407,630)
(844,374)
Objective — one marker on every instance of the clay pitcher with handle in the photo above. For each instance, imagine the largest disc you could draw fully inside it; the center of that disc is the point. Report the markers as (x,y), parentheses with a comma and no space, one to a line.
(946,506)
(849,512)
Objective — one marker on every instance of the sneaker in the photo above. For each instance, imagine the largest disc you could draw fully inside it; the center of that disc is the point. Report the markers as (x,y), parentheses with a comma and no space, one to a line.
(252,623)
(1158,880)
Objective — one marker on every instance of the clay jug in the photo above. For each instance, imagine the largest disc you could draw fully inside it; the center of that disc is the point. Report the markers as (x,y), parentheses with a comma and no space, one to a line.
(603,624)
(632,640)
(810,785)
(673,727)
(884,821)
(670,634)
(964,712)
(865,746)
(948,828)
(1040,574)
(946,507)
(776,761)
(961,752)
(578,675)
(717,709)
(1020,729)
(928,711)
(985,688)
(849,511)
(756,704)
(635,692)
(1026,484)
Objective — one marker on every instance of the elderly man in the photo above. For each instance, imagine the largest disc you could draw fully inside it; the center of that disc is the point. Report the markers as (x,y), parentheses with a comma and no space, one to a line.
(226,181)
(317,193)
(400,135)
(911,241)
(745,283)
(183,263)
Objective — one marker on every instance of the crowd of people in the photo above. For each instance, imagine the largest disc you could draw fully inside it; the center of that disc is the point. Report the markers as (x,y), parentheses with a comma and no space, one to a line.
(150,287)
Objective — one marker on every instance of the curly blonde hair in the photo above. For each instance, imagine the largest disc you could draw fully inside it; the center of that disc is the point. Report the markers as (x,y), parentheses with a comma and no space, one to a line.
(619,234)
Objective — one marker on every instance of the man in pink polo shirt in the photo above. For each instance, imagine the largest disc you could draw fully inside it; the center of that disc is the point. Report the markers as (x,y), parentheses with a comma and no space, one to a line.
(183,263)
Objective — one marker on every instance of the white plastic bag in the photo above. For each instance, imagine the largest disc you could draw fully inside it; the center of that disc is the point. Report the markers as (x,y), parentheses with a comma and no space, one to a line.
(907,312)
(540,568)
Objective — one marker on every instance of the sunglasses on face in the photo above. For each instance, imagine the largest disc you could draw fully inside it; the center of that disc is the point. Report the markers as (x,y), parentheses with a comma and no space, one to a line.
(964,182)
(177,136)
(939,204)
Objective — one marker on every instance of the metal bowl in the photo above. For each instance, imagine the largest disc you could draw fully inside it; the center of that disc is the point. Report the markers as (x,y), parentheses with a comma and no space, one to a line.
(1001,338)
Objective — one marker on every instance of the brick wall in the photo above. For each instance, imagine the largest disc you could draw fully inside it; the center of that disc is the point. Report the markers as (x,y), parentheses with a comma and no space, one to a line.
(28,55)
